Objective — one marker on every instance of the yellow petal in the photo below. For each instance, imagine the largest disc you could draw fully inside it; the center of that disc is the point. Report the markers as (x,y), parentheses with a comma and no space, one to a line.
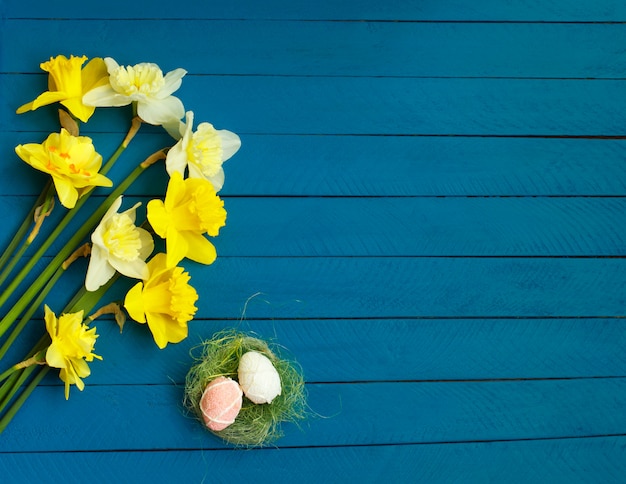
(200,249)
(42,100)
(134,303)
(51,321)
(94,74)
(176,245)
(54,357)
(68,195)
(78,109)
(81,368)
(165,330)
(157,216)
(176,191)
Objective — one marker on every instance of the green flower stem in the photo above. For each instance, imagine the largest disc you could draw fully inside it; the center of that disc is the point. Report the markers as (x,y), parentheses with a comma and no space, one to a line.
(8,385)
(9,392)
(9,372)
(36,359)
(65,252)
(18,374)
(136,124)
(16,371)
(45,207)
(29,313)
(8,416)
(82,300)
(134,127)
(87,301)
(21,232)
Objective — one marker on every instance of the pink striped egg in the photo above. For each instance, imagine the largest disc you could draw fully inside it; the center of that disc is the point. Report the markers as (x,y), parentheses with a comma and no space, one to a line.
(220,403)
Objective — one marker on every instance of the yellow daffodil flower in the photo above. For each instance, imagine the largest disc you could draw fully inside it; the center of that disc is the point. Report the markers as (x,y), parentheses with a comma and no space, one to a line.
(71,347)
(72,161)
(191,209)
(165,301)
(118,245)
(203,151)
(144,84)
(68,82)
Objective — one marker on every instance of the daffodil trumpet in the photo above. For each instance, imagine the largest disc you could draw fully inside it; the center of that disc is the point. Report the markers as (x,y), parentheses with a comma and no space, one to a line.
(36,304)
(17,280)
(7,321)
(68,81)
(15,378)
(190,213)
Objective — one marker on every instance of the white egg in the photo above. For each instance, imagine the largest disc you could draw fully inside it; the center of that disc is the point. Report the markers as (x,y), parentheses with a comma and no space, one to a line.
(258,378)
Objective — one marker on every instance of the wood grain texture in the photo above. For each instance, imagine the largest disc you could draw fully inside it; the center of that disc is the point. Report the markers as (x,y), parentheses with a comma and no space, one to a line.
(410,227)
(340,48)
(573,460)
(327,287)
(394,10)
(426,213)
(373,106)
(404,413)
(374,350)
(333,165)
(398,287)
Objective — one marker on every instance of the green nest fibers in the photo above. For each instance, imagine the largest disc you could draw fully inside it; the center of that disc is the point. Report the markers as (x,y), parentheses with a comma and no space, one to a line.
(256,424)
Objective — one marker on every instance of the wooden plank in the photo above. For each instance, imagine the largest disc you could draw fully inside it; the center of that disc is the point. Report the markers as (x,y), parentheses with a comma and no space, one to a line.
(567,460)
(404,413)
(407,10)
(400,287)
(333,48)
(423,227)
(371,106)
(329,227)
(397,287)
(370,165)
(369,350)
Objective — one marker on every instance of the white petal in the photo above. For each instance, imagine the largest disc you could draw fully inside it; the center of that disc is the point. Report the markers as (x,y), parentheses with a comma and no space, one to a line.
(99,270)
(174,128)
(186,129)
(147,243)
(195,172)
(137,269)
(176,159)
(96,236)
(115,206)
(177,129)
(162,111)
(111,64)
(173,80)
(217,180)
(105,96)
(131,212)
(230,143)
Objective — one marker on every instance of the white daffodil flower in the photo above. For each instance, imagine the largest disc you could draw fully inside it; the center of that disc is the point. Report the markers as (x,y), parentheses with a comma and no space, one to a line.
(118,245)
(144,84)
(202,152)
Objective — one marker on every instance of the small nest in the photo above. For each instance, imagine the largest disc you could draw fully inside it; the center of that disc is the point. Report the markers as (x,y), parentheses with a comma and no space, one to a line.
(257,424)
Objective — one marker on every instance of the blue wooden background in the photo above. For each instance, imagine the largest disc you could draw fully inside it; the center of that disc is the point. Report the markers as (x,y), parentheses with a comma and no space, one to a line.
(429,199)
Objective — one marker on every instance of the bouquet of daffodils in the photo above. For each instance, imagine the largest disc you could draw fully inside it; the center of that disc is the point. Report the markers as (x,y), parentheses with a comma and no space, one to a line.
(110,236)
